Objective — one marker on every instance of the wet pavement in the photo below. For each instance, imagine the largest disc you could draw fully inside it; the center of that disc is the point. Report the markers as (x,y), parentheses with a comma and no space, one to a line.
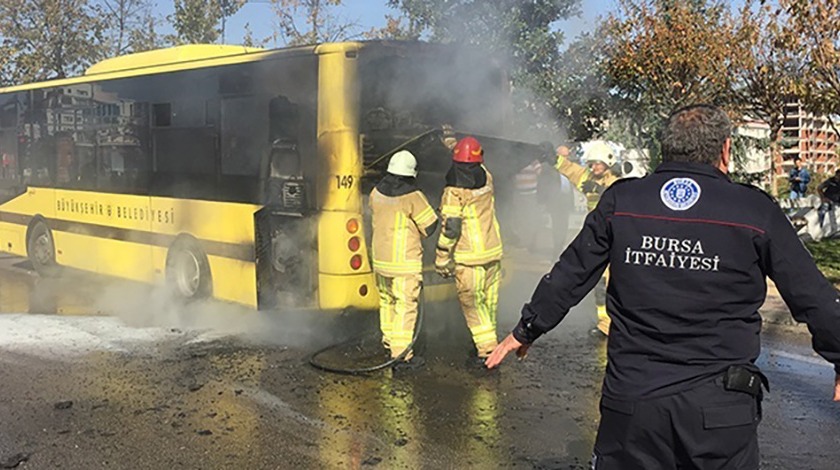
(113,377)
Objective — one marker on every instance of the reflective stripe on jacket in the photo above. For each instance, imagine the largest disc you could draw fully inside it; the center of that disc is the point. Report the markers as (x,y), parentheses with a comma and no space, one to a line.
(478,241)
(399,223)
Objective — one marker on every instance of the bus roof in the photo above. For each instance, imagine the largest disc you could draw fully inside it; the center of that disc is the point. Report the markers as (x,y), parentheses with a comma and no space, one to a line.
(178,58)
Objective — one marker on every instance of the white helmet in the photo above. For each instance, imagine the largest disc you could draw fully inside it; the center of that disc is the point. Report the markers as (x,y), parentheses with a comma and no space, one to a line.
(599,151)
(403,163)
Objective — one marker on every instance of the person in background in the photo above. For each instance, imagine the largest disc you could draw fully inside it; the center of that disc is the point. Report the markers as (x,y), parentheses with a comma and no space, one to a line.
(592,181)
(798,179)
(526,213)
(829,191)
(556,195)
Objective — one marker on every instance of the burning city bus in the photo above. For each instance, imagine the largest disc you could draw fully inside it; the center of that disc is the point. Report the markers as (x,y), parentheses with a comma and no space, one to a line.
(231,172)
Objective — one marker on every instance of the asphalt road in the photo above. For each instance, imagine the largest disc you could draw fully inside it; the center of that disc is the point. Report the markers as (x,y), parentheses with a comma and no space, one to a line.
(99,374)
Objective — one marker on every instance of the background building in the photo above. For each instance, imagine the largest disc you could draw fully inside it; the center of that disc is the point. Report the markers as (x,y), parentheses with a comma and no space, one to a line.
(809,137)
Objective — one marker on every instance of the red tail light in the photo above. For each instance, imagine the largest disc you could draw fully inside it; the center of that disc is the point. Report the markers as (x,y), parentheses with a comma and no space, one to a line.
(352,225)
(354,244)
(356,262)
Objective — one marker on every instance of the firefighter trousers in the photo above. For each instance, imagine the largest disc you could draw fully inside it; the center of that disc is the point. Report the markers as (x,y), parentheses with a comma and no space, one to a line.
(478,291)
(398,304)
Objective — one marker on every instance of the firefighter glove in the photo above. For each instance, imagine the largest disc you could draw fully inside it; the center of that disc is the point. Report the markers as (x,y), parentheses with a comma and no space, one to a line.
(445,269)
(448,136)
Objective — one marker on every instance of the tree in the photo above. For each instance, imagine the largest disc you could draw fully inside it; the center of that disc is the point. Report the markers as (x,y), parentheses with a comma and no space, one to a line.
(44,39)
(665,54)
(125,20)
(311,22)
(145,36)
(813,29)
(202,21)
(521,32)
(581,91)
(248,40)
(769,72)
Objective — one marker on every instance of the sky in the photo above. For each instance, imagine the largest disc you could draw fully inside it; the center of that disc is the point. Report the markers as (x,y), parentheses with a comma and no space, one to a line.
(368,14)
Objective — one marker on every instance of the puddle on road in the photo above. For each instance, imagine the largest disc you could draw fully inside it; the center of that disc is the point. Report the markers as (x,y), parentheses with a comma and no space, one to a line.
(68,295)
(253,405)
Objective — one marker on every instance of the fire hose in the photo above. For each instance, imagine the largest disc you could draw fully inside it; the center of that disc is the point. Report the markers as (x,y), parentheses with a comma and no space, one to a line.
(314,362)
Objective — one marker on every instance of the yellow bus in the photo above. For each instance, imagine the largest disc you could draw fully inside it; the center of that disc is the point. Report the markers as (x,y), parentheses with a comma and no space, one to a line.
(230,172)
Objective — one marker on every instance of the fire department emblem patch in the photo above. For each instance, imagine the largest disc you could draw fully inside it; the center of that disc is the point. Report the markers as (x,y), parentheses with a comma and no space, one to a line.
(679,194)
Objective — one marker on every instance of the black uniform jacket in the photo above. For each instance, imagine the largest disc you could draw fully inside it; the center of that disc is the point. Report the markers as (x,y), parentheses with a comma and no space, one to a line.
(689,252)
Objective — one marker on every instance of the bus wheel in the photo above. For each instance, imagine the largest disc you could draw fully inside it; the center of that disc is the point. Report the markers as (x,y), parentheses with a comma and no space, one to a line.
(187,270)
(40,248)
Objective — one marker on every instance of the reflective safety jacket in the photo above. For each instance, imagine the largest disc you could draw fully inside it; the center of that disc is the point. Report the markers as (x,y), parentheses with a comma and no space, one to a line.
(470,233)
(402,216)
(590,185)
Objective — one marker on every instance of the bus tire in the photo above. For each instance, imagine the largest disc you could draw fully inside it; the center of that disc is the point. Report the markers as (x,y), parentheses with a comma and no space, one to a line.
(40,249)
(188,271)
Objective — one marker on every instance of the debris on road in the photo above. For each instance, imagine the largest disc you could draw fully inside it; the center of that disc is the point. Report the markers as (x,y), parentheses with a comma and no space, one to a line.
(14,460)
(64,405)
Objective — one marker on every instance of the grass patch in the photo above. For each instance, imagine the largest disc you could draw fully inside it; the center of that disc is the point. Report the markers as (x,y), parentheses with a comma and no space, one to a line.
(827,255)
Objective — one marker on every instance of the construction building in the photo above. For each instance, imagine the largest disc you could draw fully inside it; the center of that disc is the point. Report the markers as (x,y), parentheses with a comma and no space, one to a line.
(809,137)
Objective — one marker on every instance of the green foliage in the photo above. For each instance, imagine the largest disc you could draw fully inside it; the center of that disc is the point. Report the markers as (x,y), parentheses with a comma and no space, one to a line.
(130,26)
(581,93)
(320,22)
(45,39)
(826,253)
(742,146)
(200,21)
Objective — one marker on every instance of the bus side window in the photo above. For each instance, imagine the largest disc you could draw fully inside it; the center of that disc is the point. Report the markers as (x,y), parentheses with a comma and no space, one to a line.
(244,135)
(283,123)
(162,115)
(9,141)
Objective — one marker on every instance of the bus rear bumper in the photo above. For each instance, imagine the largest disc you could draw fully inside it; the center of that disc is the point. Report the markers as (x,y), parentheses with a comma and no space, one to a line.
(343,291)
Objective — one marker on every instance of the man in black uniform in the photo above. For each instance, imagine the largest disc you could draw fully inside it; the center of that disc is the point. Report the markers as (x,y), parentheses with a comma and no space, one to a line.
(688,252)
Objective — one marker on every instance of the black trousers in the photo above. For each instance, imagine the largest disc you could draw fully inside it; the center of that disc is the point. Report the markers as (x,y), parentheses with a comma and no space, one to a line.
(704,428)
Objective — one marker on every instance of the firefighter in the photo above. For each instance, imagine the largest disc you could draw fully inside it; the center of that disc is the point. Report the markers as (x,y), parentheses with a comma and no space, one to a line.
(592,181)
(402,217)
(470,246)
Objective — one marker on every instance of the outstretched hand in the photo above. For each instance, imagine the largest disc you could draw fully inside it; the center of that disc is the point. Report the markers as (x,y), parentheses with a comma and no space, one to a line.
(836,387)
(507,345)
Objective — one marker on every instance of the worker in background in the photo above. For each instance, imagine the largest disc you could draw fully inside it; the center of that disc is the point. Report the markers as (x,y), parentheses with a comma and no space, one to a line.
(470,246)
(798,179)
(829,191)
(555,194)
(592,181)
(526,210)
(402,217)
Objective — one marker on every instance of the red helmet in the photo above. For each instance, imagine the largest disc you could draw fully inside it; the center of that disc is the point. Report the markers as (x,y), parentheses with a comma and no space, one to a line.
(468,150)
